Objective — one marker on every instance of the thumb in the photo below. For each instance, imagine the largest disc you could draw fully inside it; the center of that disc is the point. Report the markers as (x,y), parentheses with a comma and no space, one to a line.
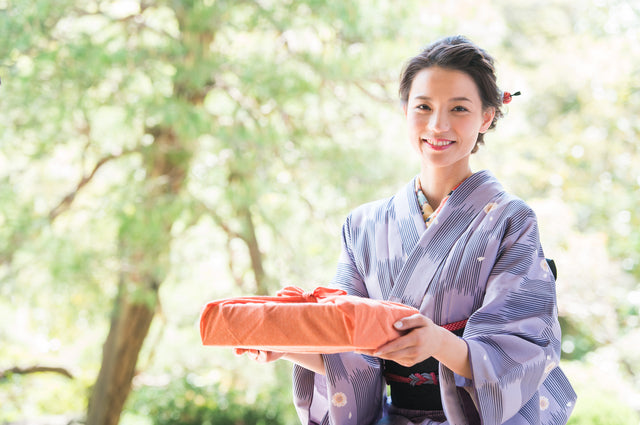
(415,321)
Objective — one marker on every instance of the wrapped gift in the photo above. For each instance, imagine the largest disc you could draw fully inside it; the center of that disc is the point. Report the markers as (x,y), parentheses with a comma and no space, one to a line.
(323,321)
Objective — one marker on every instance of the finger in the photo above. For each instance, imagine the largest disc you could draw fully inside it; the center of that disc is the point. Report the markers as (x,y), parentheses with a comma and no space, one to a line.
(404,357)
(253,354)
(410,322)
(400,343)
(263,356)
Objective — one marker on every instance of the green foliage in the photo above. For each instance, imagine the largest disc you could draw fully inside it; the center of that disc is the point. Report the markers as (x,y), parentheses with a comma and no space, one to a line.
(48,392)
(185,403)
(155,130)
(602,409)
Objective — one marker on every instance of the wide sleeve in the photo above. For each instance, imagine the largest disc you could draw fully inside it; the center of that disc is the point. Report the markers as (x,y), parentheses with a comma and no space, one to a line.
(513,339)
(352,392)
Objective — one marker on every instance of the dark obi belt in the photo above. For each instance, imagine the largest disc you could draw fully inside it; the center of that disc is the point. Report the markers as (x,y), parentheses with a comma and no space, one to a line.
(417,387)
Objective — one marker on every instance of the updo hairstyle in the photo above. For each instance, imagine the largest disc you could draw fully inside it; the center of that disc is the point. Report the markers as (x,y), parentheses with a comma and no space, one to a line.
(457,53)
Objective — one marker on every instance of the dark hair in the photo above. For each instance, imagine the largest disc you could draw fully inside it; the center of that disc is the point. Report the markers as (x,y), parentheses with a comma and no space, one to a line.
(457,53)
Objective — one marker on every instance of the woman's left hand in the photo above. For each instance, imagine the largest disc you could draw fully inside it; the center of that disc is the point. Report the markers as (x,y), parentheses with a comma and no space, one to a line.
(421,340)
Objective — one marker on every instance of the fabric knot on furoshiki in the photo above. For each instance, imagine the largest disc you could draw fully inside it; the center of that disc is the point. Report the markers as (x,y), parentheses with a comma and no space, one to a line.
(324,320)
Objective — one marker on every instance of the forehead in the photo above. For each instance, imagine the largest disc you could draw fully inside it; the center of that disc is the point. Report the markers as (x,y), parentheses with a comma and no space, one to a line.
(436,82)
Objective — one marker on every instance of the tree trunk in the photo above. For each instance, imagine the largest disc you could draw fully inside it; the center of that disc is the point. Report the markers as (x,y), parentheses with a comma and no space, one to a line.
(129,327)
(251,240)
(144,241)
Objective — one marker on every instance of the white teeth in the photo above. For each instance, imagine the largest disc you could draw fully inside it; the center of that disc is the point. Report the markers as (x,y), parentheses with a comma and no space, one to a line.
(438,142)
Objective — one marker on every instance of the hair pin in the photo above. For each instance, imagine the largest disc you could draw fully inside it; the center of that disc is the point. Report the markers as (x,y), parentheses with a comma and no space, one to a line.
(507,97)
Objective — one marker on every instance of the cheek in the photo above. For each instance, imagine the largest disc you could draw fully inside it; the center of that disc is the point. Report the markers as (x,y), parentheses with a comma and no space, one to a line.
(414,132)
(415,123)
(470,127)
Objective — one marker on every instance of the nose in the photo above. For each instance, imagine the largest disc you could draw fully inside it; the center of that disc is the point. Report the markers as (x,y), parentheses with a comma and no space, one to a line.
(438,121)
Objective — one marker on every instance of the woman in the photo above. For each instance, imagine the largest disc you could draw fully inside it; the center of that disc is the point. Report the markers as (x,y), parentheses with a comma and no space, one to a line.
(452,243)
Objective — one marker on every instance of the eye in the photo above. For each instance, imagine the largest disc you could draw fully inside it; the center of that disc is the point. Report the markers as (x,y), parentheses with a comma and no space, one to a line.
(460,109)
(423,107)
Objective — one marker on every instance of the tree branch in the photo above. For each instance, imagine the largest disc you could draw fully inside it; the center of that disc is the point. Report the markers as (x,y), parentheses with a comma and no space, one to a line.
(34,369)
(237,278)
(248,237)
(127,20)
(66,202)
(231,234)
(205,209)
(377,97)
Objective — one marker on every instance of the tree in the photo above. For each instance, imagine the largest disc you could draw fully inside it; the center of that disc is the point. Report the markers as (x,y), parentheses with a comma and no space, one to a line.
(167,113)
(127,124)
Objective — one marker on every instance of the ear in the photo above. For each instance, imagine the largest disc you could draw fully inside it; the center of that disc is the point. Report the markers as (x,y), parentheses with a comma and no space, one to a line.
(487,118)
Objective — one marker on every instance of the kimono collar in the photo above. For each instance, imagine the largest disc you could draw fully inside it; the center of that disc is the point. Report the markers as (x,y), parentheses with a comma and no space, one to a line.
(428,212)
(409,215)
(425,249)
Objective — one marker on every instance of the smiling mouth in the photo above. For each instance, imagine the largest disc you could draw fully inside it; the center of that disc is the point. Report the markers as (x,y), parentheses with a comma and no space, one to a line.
(438,143)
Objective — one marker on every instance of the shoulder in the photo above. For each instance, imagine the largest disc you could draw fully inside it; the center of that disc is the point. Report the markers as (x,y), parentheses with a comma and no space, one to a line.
(378,211)
(500,210)
(519,206)
(486,192)
(510,217)
(513,208)
(400,205)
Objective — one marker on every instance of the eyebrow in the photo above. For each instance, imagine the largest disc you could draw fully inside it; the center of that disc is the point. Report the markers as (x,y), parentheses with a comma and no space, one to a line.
(453,99)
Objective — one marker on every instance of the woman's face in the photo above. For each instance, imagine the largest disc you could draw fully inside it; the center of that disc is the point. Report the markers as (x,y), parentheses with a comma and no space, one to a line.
(444,116)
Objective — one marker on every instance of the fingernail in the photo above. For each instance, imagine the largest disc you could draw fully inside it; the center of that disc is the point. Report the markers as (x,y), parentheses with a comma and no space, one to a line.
(398,325)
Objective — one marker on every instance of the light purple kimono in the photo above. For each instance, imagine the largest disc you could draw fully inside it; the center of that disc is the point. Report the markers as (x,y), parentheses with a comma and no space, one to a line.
(480,260)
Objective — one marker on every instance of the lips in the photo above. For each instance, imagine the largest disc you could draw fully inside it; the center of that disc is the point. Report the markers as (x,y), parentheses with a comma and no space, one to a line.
(438,144)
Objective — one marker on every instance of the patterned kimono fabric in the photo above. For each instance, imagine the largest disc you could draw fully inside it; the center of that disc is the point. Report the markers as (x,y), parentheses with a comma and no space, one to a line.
(480,262)
(416,388)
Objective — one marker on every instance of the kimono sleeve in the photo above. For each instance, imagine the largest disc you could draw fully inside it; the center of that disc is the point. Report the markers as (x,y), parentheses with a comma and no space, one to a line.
(352,391)
(514,338)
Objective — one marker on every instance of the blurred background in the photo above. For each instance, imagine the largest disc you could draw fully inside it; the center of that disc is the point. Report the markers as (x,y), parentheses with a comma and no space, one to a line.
(156,155)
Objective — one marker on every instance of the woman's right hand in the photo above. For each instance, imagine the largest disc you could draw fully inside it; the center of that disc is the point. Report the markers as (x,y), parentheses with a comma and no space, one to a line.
(261,356)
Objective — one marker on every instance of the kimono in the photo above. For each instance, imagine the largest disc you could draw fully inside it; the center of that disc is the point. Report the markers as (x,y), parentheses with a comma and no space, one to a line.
(480,260)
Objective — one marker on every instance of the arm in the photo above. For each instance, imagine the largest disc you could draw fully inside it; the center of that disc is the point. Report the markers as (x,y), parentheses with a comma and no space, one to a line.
(312,362)
(513,338)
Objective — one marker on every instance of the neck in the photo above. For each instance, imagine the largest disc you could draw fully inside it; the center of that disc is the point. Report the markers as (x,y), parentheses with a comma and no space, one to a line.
(437,183)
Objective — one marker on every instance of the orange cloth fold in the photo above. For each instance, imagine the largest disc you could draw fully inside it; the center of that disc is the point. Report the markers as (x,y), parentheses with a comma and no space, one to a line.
(322,321)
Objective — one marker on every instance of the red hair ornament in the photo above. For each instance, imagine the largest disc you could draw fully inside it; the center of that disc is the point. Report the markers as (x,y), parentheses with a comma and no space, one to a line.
(507,97)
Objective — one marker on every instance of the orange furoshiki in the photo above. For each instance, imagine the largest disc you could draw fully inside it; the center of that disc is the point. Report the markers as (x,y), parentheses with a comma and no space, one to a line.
(323,321)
